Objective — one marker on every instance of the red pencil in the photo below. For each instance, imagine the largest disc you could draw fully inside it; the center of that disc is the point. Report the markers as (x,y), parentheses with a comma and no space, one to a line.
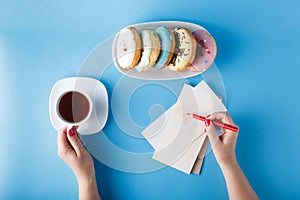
(220,124)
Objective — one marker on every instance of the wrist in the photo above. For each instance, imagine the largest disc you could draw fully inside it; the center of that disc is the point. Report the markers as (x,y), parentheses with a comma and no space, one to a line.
(88,188)
(87,183)
(228,164)
(87,179)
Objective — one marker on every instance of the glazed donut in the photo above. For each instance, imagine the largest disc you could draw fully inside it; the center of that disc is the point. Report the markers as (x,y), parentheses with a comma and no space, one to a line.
(167,47)
(206,51)
(185,49)
(128,48)
(150,50)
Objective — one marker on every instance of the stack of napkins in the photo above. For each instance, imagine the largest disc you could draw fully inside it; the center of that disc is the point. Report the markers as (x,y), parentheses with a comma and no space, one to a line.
(178,139)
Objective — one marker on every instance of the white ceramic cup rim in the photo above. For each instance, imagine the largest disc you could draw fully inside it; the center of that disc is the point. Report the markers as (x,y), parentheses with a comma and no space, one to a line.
(74,123)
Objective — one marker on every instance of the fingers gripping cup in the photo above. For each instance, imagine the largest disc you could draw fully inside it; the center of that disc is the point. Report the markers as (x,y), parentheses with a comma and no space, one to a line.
(74,108)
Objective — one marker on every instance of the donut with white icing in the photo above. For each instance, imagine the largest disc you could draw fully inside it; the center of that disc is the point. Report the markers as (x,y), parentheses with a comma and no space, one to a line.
(128,48)
(167,41)
(206,51)
(185,49)
(150,50)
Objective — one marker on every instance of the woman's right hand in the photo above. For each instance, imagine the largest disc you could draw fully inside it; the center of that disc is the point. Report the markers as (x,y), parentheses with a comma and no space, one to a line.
(224,145)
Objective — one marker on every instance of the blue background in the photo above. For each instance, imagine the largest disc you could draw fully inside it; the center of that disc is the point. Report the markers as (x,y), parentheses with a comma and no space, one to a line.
(44,41)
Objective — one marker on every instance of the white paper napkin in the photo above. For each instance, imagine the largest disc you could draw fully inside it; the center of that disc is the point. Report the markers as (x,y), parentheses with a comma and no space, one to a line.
(176,138)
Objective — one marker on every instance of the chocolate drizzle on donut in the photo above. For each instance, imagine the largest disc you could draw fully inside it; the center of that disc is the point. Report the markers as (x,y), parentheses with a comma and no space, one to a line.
(176,50)
(179,52)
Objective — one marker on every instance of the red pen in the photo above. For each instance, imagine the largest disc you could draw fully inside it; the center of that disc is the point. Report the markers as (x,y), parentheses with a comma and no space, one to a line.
(220,124)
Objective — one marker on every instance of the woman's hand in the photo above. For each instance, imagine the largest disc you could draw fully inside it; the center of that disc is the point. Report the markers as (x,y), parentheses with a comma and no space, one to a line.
(73,152)
(224,145)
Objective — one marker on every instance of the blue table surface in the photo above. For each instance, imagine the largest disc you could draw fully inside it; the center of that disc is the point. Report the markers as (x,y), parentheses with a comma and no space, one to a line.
(42,42)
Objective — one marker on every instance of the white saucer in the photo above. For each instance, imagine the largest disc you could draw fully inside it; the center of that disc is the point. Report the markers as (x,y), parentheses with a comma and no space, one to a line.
(96,91)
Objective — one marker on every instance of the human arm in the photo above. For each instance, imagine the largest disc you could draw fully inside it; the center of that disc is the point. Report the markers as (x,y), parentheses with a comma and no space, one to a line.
(223,147)
(72,151)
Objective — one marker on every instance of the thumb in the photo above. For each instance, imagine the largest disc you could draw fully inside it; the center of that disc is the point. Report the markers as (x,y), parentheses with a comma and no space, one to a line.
(75,140)
(211,132)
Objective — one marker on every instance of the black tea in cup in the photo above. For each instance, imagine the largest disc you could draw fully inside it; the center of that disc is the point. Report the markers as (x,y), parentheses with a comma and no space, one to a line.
(73,107)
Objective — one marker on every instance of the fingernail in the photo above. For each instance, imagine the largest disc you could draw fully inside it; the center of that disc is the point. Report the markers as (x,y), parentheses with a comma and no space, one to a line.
(72,131)
(207,122)
(205,130)
(207,116)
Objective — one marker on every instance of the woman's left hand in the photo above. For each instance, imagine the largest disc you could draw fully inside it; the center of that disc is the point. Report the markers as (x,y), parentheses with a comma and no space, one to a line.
(72,151)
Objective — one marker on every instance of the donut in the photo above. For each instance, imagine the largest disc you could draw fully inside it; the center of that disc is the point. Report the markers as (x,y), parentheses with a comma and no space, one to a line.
(206,51)
(128,48)
(185,49)
(150,50)
(167,47)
